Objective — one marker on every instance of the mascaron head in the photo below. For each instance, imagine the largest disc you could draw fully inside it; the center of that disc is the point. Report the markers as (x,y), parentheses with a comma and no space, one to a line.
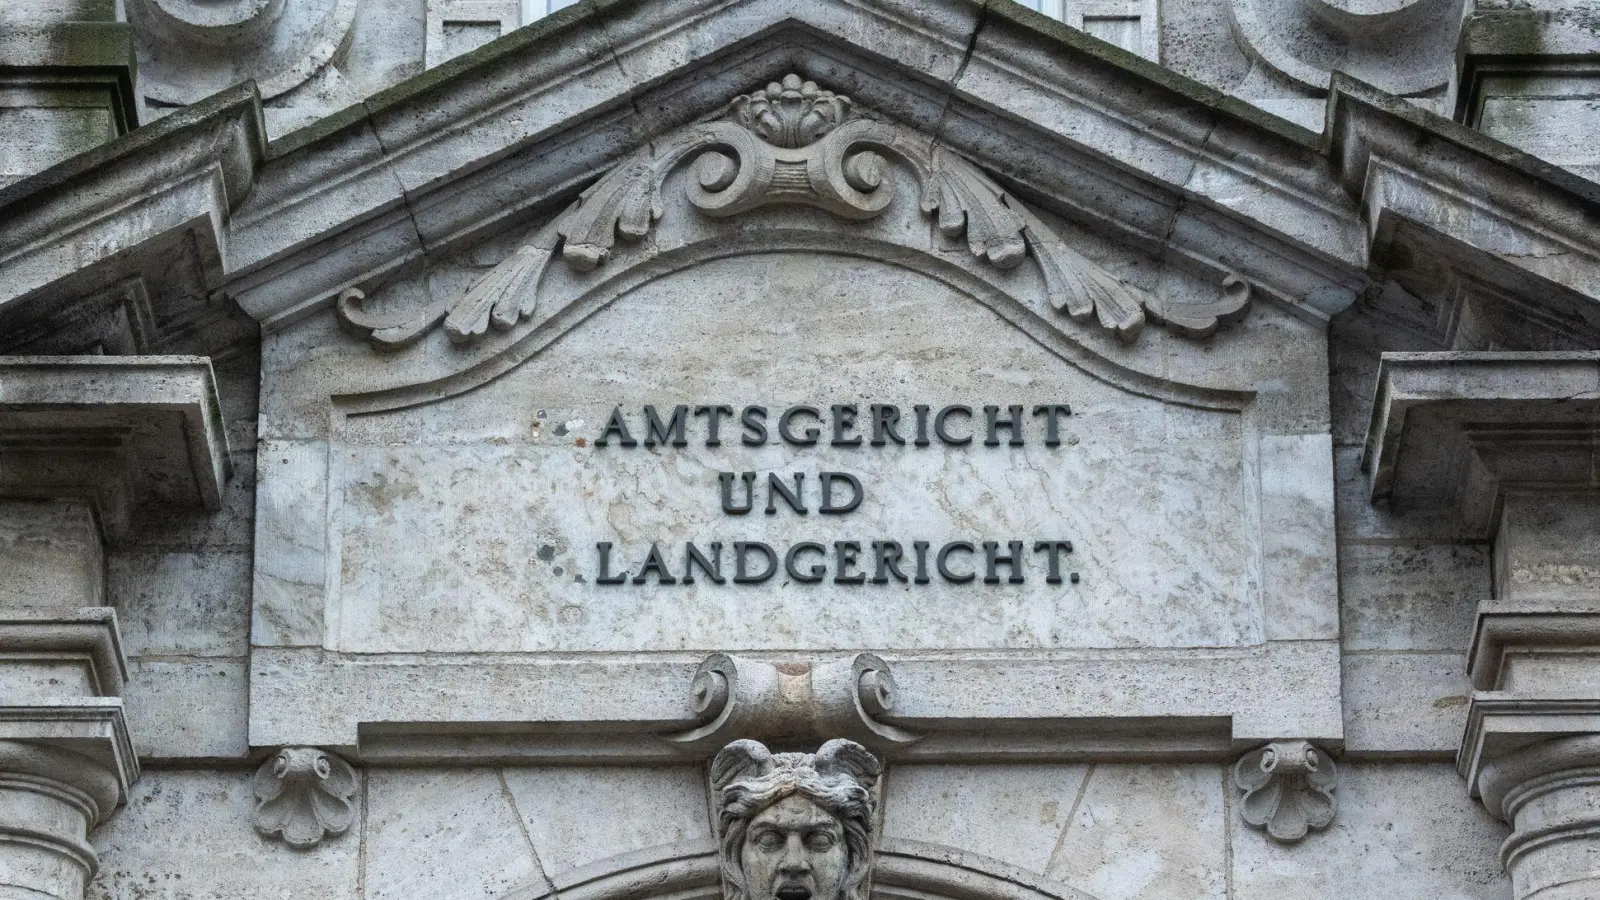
(795,826)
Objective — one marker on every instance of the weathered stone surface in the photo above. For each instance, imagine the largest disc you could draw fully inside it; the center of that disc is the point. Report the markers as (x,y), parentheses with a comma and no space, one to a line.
(1016,814)
(1410,829)
(1146,832)
(460,277)
(674,808)
(186,835)
(448,834)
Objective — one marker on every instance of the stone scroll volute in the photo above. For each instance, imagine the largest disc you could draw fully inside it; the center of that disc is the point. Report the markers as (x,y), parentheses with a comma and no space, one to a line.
(795,826)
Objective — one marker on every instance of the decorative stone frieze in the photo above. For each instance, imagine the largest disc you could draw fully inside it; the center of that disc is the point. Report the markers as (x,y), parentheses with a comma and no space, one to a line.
(792,702)
(304,794)
(1288,789)
(795,826)
(796,144)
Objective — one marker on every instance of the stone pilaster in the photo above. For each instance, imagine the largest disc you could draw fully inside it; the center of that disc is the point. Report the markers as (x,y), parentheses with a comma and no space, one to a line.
(66,82)
(1507,442)
(82,441)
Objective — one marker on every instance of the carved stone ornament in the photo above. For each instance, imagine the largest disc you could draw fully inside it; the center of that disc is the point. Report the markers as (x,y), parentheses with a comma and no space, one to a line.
(795,826)
(792,702)
(304,793)
(1288,789)
(794,143)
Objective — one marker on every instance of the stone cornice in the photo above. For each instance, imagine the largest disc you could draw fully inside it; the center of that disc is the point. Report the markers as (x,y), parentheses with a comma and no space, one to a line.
(351,199)
(1456,430)
(91,631)
(159,414)
(186,171)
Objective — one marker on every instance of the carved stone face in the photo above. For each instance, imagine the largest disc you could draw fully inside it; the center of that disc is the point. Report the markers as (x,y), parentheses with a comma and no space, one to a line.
(794,850)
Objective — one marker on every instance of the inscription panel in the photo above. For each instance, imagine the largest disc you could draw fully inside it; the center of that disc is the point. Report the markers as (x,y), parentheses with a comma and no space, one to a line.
(472,524)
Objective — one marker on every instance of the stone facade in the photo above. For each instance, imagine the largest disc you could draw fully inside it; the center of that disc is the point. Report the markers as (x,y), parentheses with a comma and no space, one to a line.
(799,451)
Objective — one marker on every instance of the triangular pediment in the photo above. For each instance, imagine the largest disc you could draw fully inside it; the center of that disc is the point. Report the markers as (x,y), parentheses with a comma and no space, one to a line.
(511,132)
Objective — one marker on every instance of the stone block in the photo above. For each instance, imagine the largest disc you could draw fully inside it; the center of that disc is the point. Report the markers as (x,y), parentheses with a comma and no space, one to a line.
(1405,704)
(187,835)
(188,709)
(51,554)
(1148,833)
(1403,830)
(1299,578)
(444,835)
(1411,596)
(290,544)
(582,814)
(182,604)
(1015,814)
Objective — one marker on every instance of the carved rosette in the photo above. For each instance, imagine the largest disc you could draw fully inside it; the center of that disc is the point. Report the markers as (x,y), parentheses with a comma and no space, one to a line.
(796,144)
(304,794)
(1288,789)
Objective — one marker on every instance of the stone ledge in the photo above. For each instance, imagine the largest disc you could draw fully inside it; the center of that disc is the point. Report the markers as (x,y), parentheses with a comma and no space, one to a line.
(120,430)
(1457,430)
(94,727)
(89,632)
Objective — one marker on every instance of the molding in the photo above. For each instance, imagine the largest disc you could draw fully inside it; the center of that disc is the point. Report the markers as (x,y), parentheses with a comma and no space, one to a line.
(1499,724)
(793,702)
(494,136)
(1135,705)
(1500,634)
(92,727)
(903,870)
(89,633)
(1471,421)
(793,143)
(158,417)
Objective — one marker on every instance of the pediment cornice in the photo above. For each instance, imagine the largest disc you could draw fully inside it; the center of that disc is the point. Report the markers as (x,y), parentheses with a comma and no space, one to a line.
(511,132)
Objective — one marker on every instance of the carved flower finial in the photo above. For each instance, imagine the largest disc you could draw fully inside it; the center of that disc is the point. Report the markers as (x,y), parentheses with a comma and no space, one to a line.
(1288,788)
(304,793)
(792,113)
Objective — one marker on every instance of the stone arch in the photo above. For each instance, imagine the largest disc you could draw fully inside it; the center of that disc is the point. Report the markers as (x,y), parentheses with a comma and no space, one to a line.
(904,870)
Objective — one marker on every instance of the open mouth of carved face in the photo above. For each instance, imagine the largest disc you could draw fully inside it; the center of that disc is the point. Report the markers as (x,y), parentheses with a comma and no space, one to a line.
(791,891)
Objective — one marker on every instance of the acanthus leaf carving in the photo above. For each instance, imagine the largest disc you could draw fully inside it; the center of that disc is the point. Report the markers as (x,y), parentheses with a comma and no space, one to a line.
(1288,789)
(304,794)
(797,144)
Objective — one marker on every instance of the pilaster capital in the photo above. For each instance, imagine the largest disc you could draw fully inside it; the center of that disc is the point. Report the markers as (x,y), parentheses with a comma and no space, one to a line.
(113,431)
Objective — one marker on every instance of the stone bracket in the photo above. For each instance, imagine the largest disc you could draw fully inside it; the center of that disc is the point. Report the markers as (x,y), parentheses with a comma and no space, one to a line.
(117,430)
(304,794)
(791,703)
(1288,789)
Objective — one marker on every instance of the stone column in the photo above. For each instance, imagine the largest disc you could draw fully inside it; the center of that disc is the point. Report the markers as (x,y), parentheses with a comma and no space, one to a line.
(1550,793)
(1503,446)
(82,441)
